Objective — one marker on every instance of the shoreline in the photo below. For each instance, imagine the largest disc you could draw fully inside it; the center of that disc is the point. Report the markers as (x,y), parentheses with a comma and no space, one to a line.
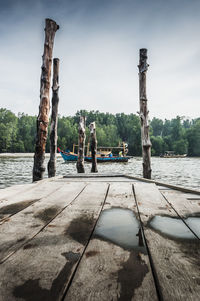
(31,155)
(18,155)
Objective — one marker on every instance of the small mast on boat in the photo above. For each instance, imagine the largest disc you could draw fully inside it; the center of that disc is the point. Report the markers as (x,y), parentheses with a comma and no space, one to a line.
(104,153)
(105,150)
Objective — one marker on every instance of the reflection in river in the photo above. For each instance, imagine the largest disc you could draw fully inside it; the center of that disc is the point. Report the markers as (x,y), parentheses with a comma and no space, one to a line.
(17,169)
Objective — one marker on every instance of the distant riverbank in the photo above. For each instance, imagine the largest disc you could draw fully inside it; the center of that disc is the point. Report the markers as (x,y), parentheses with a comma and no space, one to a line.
(18,155)
(16,168)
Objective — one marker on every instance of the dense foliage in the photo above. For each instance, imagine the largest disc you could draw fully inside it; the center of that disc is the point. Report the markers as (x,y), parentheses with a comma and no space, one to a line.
(17,133)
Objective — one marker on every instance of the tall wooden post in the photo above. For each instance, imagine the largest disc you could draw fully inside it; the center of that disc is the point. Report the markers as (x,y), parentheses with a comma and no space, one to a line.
(81,145)
(43,116)
(146,143)
(54,120)
(93,146)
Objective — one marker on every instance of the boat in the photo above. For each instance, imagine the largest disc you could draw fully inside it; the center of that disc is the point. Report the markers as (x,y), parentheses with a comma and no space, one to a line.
(104,154)
(171,154)
(68,156)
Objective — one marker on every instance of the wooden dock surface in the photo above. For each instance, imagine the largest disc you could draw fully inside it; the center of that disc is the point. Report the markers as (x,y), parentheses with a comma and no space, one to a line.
(95,237)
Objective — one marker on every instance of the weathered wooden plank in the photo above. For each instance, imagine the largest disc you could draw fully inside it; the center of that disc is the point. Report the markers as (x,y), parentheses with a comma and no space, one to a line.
(27,223)
(179,188)
(100,179)
(18,189)
(15,189)
(186,208)
(115,265)
(43,267)
(15,203)
(175,259)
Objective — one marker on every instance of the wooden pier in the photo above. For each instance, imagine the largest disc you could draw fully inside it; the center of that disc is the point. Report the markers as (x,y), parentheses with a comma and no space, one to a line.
(99,237)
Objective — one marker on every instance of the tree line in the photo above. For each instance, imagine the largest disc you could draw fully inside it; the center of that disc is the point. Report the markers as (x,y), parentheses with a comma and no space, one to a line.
(17,133)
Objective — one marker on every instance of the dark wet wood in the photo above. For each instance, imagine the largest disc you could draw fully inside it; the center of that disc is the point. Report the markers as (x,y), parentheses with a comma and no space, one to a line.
(50,249)
(22,227)
(175,261)
(13,203)
(43,117)
(93,146)
(120,273)
(81,145)
(144,118)
(44,266)
(54,120)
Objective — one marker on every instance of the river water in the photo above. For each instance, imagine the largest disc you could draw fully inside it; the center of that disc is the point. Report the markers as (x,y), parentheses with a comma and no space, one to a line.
(17,169)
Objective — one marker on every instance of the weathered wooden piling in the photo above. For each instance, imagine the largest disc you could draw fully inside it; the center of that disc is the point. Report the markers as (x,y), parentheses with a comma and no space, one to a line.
(146,143)
(43,116)
(81,145)
(54,120)
(93,146)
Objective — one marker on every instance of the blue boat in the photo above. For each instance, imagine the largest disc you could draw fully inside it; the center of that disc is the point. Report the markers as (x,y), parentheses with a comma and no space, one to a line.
(71,156)
(68,156)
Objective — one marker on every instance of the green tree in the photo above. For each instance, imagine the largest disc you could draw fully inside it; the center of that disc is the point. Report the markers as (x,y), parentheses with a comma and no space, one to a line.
(8,130)
(193,138)
(157,145)
(157,126)
(26,133)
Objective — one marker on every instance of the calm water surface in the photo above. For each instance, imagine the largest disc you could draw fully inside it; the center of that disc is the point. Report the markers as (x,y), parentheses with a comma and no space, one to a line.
(17,169)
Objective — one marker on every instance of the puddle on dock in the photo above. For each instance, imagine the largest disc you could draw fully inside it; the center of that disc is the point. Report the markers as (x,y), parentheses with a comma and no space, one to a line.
(121,227)
(175,227)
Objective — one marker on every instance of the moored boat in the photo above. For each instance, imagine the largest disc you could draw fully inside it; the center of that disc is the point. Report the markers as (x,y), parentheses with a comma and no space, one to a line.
(104,154)
(171,154)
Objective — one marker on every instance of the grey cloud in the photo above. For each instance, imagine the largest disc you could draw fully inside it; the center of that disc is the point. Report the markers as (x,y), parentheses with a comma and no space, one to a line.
(98,45)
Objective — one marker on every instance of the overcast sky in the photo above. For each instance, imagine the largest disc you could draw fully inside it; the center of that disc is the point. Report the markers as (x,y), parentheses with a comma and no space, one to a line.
(98,45)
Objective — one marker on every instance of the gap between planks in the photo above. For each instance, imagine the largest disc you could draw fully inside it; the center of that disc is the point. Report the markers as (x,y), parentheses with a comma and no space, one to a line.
(24,226)
(175,262)
(53,264)
(107,271)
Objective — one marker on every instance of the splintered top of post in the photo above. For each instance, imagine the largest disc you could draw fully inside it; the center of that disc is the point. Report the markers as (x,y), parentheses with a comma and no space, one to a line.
(143,53)
(82,123)
(143,66)
(51,23)
(92,127)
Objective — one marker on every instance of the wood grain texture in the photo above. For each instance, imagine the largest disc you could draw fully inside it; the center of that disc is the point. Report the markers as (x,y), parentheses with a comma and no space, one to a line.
(173,187)
(14,203)
(93,146)
(184,207)
(43,267)
(13,190)
(30,221)
(54,119)
(144,115)
(81,145)
(151,202)
(43,117)
(176,262)
(108,271)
